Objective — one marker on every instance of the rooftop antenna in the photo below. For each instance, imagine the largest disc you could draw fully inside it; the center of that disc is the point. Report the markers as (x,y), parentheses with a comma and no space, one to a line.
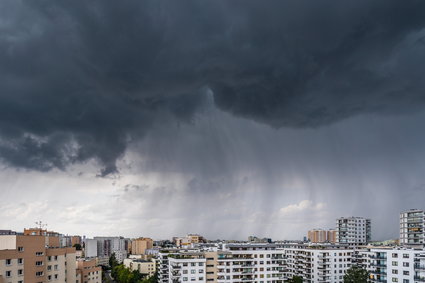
(41,225)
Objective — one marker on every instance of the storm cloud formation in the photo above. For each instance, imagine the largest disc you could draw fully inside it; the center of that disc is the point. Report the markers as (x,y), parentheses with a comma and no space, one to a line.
(79,79)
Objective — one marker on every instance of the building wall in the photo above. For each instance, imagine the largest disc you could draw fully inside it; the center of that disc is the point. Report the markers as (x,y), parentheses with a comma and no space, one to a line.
(143,266)
(353,230)
(139,246)
(412,228)
(31,261)
(90,249)
(88,272)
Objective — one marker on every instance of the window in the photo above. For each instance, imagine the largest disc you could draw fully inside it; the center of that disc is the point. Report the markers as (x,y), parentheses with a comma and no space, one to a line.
(20,261)
(39,263)
(20,272)
(184,271)
(8,273)
(405,264)
(201,264)
(394,271)
(394,280)
(39,253)
(405,272)
(193,271)
(20,249)
(394,263)
(200,271)
(184,278)
(405,255)
(201,278)
(8,261)
(39,273)
(192,264)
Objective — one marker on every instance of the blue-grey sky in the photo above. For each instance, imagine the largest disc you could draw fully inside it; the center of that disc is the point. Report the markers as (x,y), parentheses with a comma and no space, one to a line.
(225,118)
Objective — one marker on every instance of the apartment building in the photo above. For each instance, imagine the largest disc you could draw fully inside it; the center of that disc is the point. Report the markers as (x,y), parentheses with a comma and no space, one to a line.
(106,246)
(35,258)
(185,267)
(140,245)
(321,236)
(412,225)
(419,268)
(399,264)
(318,263)
(353,230)
(147,267)
(188,240)
(88,271)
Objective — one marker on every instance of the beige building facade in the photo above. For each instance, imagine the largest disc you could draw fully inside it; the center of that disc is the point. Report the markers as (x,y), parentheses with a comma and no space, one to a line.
(35,258)
(140,245)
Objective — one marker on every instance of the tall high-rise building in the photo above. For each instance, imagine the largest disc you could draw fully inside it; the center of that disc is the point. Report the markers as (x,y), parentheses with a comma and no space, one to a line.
(353,230)
(412,224)
(321,236)
(317,236)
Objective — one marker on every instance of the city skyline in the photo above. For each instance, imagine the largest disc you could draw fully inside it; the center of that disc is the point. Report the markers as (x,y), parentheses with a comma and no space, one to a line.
(226,118)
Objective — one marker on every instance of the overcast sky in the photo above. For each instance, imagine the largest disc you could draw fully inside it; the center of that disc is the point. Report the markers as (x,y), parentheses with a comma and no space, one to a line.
(224,118)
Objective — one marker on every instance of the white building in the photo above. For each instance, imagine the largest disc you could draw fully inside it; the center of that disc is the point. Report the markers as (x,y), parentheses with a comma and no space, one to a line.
(412,224)
(318,263)
(90,248)
(353,230)
(106,246)
(185,267)
(393,264)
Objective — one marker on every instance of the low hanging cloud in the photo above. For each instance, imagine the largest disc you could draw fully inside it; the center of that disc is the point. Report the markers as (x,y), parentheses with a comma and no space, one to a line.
(81,80)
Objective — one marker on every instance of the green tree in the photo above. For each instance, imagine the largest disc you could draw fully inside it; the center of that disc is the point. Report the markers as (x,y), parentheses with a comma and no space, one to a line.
(77,247)
(295,279)
(113,261)
(356,274)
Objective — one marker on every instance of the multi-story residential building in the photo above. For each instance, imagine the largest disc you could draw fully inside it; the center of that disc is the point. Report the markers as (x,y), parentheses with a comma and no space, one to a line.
(353,230)
(146,267)
(88,271)
(412,225)
(388,264)
(419,268)
(90,248)
(188,240)
(331,236)
(185,267)
(140,245)
(317,236)
(318,263)
(106,246)
(35,258)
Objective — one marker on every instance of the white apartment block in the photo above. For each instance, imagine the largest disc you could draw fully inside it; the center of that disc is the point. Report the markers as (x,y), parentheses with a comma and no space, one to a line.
(275,263)
(187,267)
(394,264)
(412,225)
(250,263)
(419,268)
(353,230)
(318,263)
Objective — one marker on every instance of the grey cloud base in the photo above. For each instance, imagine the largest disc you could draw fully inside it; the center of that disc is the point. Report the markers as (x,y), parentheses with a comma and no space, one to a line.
(80,80)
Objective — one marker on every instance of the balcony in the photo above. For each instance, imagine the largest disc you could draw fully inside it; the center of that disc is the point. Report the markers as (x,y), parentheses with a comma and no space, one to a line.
(419,278)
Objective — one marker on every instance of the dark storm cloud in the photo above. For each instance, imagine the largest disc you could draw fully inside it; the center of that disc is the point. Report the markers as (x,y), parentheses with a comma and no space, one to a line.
(80,80)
